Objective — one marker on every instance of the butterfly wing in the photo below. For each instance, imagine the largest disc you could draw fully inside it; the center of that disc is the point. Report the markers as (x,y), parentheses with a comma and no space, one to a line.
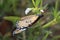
(18,31)
(26,21)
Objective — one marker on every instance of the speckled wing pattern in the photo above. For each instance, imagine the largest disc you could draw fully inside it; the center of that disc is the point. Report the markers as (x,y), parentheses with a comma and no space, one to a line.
(25,22)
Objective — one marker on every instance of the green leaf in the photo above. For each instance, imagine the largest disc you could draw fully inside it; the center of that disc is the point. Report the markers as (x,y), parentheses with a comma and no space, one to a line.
(56,9)
(37,2)
(58,17)
(12,18)
(33,3)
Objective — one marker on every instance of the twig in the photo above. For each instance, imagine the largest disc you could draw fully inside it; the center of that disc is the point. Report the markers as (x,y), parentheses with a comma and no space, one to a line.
(24,35)
(53,22)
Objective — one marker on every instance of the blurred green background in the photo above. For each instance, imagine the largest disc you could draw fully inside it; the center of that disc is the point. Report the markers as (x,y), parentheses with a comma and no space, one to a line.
(16,9)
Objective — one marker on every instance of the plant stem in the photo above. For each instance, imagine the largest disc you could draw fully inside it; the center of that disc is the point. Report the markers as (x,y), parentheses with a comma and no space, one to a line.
(50,23)
(45,37)
(24,35)
(56,37)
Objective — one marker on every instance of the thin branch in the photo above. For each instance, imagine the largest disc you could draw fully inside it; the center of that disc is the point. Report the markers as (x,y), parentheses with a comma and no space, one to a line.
(53,22)
(24,35)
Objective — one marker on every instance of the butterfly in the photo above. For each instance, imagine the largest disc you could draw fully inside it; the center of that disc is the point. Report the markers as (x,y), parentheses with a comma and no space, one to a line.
(26,22)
